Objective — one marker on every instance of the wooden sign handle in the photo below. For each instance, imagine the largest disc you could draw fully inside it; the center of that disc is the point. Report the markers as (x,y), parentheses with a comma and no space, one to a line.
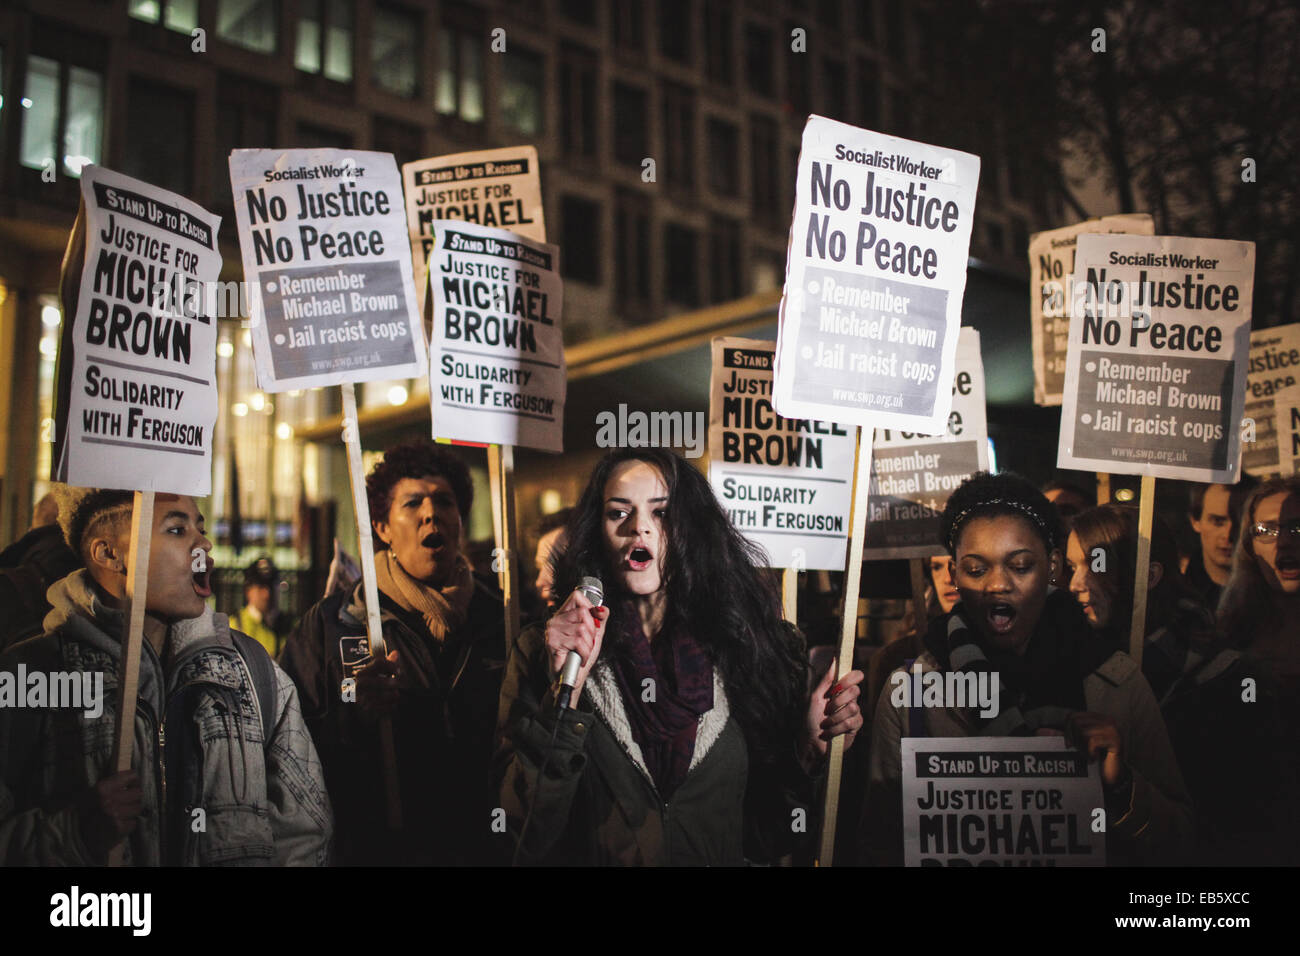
(501,483)
(917,569)
(848,635)
(790,595)
(1146,513)
(374,629)
(128,682)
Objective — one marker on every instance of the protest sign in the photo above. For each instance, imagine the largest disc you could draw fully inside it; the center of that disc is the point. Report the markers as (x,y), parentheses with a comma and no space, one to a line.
(1051,260)
(498,374)
(912,475)
(874,281)
(138,352)
(1156,371)
(1000,801)
(1286,401)
(786,485)
(498,188)
(328,265)
(1274,366)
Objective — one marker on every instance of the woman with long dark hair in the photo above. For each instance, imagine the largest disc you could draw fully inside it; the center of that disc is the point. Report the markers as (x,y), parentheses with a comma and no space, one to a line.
(1219,737)
(691,737)
(1032,644)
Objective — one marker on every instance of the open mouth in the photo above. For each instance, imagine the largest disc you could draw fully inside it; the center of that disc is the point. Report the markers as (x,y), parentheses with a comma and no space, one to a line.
(434,541)
(203,582)
(1001,617)
(1288,567)
(639,558)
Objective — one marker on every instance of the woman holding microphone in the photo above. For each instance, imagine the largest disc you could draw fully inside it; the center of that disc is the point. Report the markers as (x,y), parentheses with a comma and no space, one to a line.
(691,737)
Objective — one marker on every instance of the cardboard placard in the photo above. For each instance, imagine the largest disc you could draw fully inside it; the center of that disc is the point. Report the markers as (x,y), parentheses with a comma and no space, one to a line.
(331,296)
(912,476)
(787,485)
(498,188)
(1274,367)
(1051,261)
(141,349)
(498,373)
(1156,371)
(999,801)
(874,279)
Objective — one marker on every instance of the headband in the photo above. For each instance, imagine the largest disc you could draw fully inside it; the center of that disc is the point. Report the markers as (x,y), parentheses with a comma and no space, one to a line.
(1027,510)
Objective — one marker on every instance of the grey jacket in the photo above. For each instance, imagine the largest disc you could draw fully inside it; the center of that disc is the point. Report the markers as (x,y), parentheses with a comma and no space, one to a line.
(1156,828)
(198,746)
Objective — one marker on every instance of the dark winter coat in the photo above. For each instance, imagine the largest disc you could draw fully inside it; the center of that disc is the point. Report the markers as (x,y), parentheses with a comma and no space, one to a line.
(442,729)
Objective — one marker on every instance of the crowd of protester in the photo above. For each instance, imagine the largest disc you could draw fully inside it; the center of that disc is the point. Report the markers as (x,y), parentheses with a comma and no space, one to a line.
(695,729)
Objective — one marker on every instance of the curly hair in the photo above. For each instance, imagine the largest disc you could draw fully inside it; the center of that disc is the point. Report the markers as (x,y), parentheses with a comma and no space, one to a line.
(985,495)
(714,589)
(415,460)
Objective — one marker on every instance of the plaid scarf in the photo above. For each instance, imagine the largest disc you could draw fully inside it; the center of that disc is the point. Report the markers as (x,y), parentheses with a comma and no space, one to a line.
(665,714)
(1037,689)
(1180,656)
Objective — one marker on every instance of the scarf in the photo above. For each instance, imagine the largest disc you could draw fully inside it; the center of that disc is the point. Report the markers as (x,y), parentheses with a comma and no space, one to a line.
(443,610)
(664,726)
(1037,689)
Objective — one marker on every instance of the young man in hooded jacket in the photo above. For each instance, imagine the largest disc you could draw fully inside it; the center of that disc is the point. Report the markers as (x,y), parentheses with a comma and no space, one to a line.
(208,785)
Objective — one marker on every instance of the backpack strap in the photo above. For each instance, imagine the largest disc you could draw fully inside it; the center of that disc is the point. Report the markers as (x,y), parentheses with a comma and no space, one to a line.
(262,671)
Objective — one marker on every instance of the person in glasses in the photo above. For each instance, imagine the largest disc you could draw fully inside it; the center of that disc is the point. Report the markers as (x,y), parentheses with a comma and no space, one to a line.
(1218,737)
(1260,613)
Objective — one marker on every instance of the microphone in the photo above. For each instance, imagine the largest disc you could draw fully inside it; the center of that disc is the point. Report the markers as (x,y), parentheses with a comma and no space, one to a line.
(591,589)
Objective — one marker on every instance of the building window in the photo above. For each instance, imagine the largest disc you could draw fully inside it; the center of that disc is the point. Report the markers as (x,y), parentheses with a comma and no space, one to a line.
(829,13)
(895,31)
(834,90)
(252,24)
(311,136)
(393,51)
(580,219)
(724,259)
(631,142)
(580,11)
(765,169)
(179,15)
(245,120)
(631,250)
(758,59)
(523,87)
(627,22)
(679,137)
(325,39)
(1019,236)
(902,110)
(865,20)
(675,29)
(578,100)
(718,47)
(405,142)
(62,104)
(459,88)
(798,79)
(681,265)
(996,237)
(724,158)
(159,136)
(868,94)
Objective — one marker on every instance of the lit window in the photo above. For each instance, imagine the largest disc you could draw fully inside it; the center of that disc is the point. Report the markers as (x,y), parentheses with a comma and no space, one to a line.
(459,90)
(521,93)
(251,24)
(179,15)
(393,36)
(325,42)
(61,98)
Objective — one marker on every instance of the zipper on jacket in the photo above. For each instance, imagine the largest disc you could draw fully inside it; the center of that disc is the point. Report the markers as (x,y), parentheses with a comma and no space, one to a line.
(162,778)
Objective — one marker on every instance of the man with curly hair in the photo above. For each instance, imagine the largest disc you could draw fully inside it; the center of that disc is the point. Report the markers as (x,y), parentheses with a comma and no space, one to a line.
(445,634)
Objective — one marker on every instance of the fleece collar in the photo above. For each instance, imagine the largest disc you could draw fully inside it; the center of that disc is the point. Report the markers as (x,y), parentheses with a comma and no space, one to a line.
(607,700)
